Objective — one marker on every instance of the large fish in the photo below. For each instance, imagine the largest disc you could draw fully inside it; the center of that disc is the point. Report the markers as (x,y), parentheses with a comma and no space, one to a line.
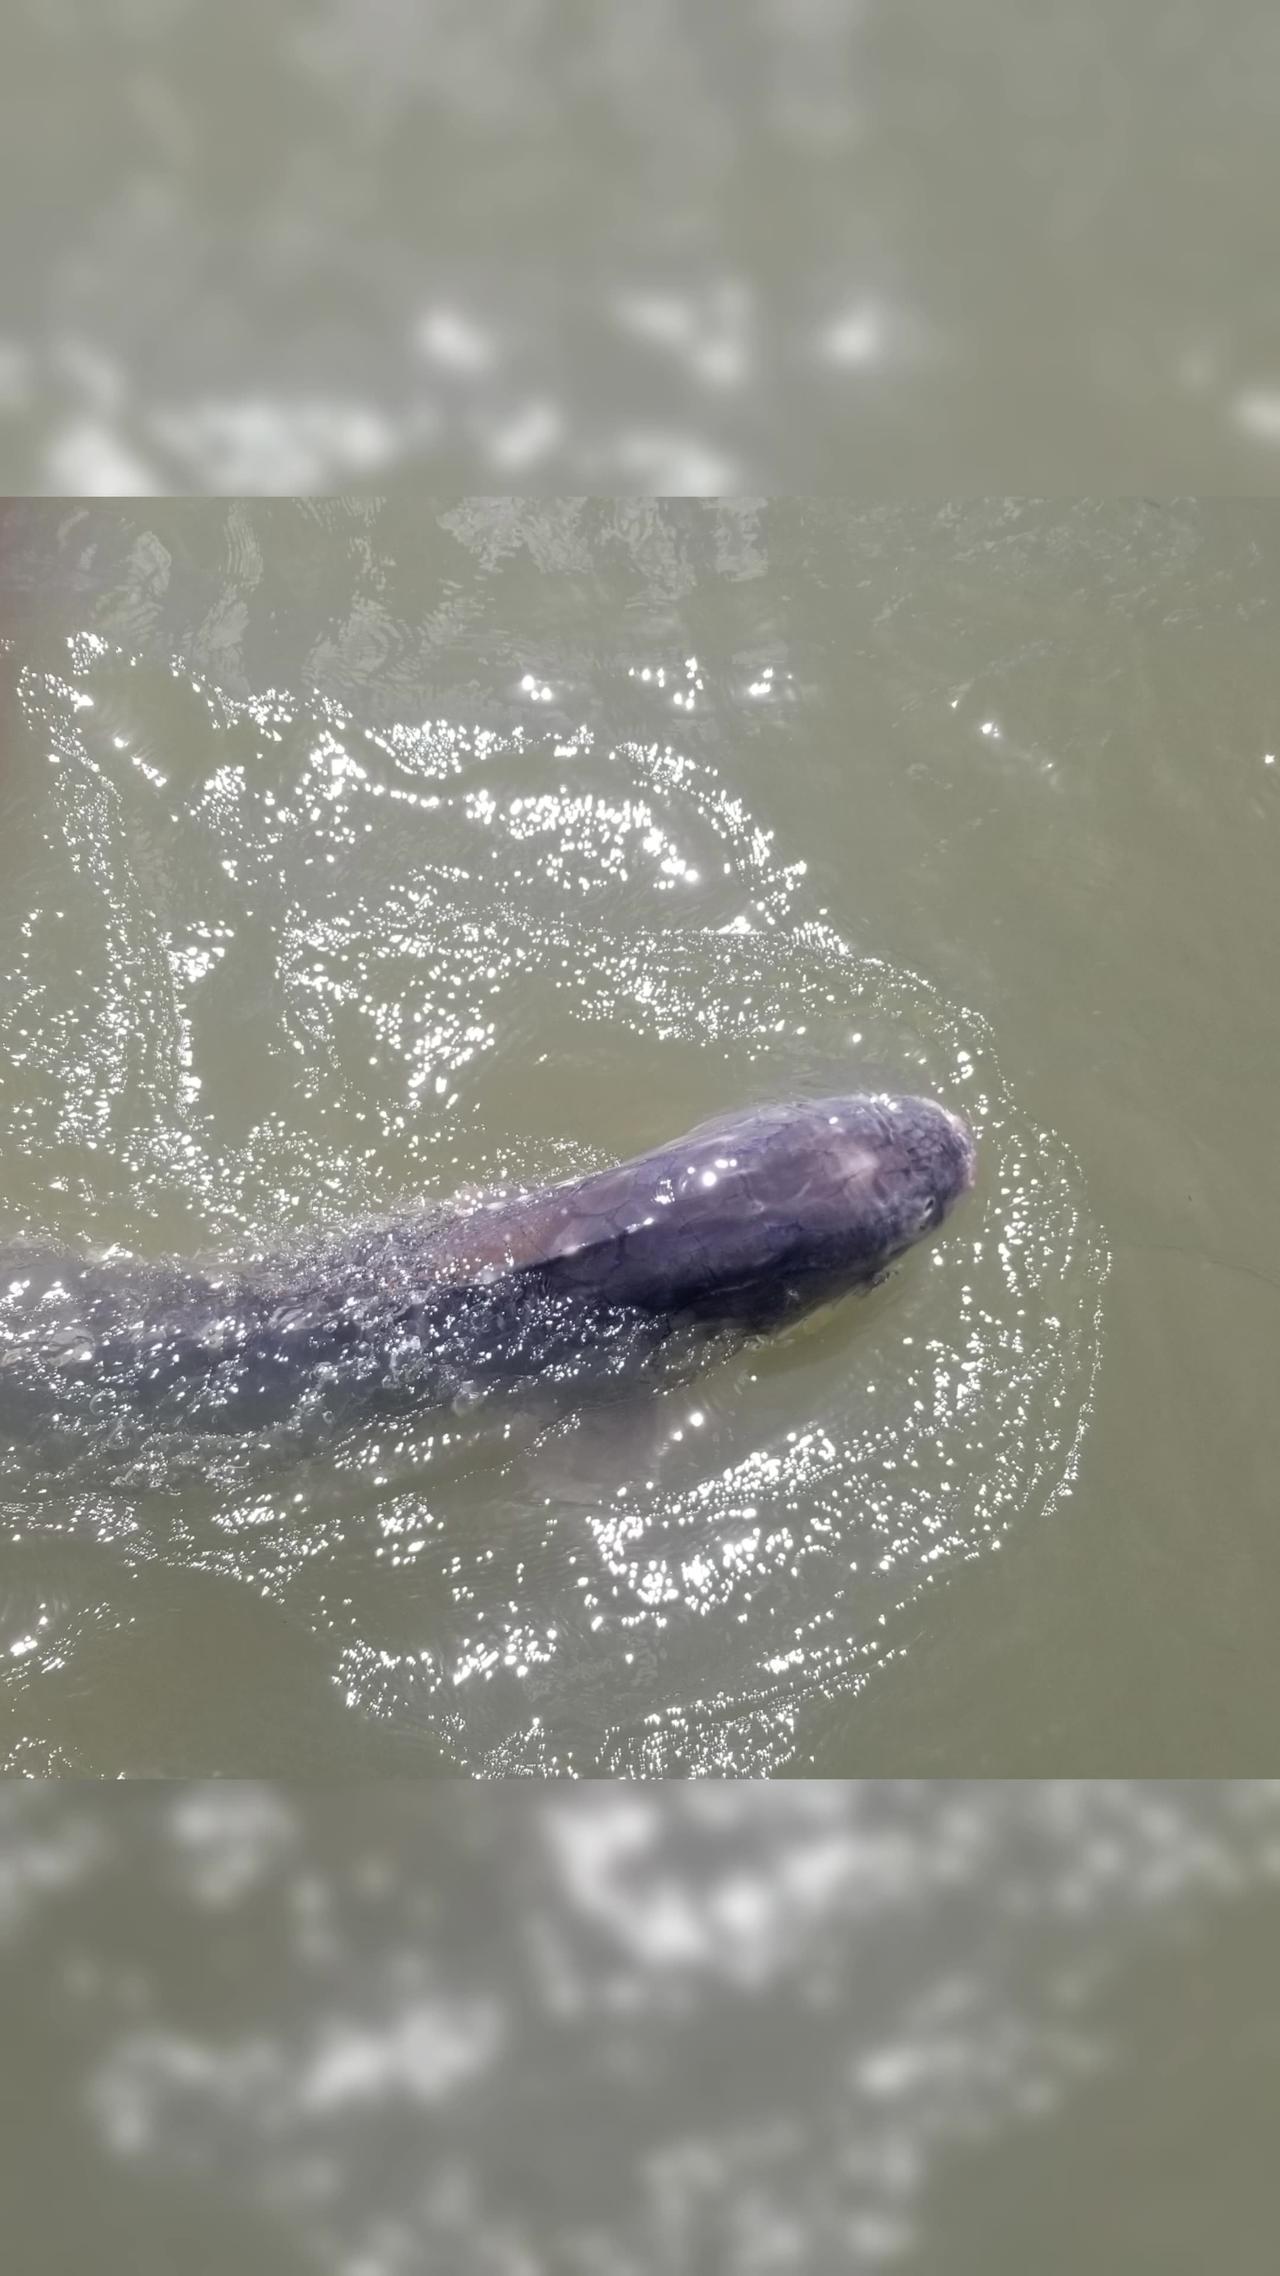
(746,1222)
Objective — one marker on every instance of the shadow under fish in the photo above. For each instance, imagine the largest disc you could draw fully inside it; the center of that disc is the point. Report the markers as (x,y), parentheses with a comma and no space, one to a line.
(746,1223)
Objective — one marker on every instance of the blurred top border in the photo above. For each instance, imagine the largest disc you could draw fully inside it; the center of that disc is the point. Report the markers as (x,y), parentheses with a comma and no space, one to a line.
(883,248)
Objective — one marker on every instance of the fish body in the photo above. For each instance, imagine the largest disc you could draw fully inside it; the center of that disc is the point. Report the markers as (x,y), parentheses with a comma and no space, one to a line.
(746,1221)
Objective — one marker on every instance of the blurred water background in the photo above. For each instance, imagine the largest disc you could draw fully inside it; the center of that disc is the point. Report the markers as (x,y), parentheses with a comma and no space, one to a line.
(601,2033)
(891,249)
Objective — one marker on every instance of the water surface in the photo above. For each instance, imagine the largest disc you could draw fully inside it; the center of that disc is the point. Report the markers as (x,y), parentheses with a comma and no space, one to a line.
(358,855)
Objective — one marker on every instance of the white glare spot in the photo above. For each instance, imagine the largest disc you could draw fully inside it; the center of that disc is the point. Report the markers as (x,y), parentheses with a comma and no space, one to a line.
(453,341)
(1257,410)
(855,338)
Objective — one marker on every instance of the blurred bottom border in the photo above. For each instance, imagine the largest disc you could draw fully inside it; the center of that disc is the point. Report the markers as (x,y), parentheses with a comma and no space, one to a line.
(526,2028)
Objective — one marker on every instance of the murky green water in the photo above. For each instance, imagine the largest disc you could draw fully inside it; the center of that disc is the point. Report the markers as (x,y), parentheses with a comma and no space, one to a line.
(354,853)
(818,2026)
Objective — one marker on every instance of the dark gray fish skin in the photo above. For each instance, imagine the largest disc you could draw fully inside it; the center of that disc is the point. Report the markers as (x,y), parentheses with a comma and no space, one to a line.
(746,1221)
(759,1213)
